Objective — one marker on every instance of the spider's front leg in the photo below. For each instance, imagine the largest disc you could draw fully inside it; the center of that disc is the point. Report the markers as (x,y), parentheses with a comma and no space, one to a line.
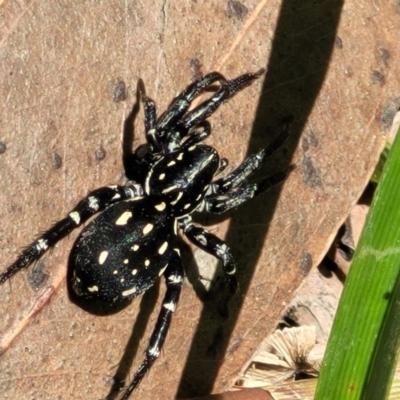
(181,103)
(174,278)
(208,107)
(217,248)
(233,189)
(220,203)
(175,123)
(250,165)
(96,201)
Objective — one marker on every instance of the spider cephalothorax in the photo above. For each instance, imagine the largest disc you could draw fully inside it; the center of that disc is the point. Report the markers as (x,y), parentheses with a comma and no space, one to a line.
(133,241)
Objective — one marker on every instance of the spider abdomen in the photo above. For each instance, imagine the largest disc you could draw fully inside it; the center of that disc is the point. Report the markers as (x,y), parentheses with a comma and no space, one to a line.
(121,253)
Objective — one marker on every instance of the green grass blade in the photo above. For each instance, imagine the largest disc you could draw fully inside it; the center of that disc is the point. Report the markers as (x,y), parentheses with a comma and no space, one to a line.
(362,351)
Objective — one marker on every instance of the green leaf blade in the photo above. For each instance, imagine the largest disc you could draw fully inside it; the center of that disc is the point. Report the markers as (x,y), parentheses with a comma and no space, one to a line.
(363,346)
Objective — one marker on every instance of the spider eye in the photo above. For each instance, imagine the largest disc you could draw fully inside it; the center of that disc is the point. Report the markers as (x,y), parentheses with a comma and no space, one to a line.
(142,151)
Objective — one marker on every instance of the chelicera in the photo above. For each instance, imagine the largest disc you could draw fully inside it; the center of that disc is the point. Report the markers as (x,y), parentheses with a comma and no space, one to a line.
(134,240)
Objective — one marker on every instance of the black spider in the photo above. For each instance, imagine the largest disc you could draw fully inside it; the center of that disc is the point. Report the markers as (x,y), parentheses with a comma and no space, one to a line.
(122,252)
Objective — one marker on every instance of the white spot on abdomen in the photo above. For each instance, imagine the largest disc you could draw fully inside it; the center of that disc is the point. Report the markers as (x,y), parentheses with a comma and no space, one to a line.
(147,229)
(123,218)
(162,270)
(170,189)
(162,248)
(161,206)
(103,257)
(129,291)
(180,194)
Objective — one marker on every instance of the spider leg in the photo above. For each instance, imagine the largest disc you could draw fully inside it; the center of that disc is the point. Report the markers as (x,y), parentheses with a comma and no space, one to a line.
(199,136)
(174,130)
(217,248)
(174,277)
(208,107)
(96,201)
(242,81)
(150,123)
(251,164)
(204,110)
(181,103)
(220,203)
(177,124)
(223,163)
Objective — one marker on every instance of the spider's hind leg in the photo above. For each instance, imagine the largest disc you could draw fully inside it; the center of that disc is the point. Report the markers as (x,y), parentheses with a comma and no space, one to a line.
(174,278)
(216,247)
(96,201)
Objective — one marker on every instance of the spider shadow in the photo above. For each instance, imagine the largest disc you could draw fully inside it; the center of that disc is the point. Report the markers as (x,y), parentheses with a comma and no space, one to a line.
(293,81)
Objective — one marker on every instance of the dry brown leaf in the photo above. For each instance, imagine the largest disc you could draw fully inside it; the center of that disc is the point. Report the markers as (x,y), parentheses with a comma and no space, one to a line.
(62,68)
(285,355)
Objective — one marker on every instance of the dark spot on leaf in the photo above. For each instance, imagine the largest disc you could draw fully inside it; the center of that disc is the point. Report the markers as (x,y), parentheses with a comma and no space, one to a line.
(338,42)
(389,111)
(100,153)
(349,72)
(119,91)
(195,66)
(56,160)
(237,9)
(309,173)
(310,139)
(377,77)
(3,147)
(305,263)
(38,277)
(383,55)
